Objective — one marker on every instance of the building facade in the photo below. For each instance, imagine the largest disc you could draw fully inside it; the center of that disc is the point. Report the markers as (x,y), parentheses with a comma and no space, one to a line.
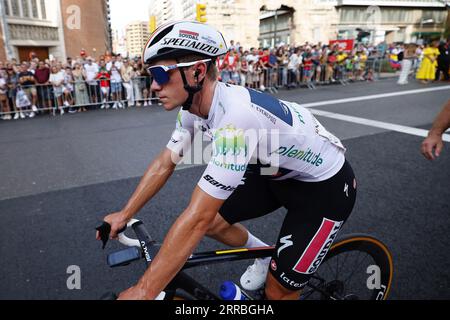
(54,28)
(136,35)
(266,23)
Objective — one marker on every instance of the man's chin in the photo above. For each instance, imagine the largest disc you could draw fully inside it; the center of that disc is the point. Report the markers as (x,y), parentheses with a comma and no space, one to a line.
(169,106)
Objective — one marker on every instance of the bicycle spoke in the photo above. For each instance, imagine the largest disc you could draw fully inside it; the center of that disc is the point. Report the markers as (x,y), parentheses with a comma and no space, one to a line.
(357,267)
(337,267)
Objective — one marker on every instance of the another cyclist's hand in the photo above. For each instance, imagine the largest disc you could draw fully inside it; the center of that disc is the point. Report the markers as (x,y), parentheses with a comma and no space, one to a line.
(433,141)
(117,222)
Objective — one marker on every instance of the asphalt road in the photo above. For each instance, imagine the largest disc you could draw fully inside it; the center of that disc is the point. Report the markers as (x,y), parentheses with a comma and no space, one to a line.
(61,175)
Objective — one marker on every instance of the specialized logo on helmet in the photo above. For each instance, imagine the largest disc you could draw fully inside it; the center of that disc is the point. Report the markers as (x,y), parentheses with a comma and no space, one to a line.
(229,141)
(190,44)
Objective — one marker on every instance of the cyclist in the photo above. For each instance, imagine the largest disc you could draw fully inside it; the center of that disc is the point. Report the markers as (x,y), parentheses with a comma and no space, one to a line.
(434,139)
(312,179)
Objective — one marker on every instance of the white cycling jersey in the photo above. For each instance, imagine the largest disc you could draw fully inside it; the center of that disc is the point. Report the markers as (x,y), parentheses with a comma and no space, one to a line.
(247,126)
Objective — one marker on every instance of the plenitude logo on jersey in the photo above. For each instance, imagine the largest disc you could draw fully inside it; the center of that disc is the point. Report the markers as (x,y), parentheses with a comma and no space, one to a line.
(301,155)
(229,149)
(229,141)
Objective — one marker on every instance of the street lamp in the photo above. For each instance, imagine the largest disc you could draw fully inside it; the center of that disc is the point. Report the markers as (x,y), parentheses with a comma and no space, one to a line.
(422,22)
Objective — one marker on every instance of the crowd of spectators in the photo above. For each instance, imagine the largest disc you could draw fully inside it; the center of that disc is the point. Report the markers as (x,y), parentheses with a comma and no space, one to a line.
(112,81)
(52,86)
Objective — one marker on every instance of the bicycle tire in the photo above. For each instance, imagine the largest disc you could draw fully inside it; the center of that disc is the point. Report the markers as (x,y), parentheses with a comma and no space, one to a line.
(373,247)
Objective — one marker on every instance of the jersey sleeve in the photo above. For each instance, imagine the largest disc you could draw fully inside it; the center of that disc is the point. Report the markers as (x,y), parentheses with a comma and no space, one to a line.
(183,134)
(234,142)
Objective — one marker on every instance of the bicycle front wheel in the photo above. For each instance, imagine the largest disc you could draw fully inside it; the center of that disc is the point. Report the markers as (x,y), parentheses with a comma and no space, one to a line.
(357,267)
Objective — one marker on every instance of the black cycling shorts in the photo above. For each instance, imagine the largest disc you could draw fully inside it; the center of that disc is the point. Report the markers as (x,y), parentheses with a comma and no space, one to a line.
(316,212)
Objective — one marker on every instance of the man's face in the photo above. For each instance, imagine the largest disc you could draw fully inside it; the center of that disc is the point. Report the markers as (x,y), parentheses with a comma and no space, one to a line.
(41,65)
(172,93)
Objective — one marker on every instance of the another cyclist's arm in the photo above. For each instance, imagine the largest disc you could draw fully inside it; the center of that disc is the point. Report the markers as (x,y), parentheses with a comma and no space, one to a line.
(434,139)
(181,240)
(157,174)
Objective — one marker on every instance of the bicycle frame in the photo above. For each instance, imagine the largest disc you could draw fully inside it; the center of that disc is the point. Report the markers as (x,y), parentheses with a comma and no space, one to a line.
(194,288)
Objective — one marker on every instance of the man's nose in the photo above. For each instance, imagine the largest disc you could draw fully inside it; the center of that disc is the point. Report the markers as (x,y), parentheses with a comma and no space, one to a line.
(155,86)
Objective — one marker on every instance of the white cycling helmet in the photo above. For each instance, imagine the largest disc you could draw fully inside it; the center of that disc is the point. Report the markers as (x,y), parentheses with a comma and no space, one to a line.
(179,38)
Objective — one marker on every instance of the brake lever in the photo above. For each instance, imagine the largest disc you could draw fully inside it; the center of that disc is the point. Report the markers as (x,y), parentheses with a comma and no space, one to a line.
(104,230)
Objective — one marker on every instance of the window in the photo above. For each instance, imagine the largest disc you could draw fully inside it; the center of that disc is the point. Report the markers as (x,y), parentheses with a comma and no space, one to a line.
(25,9)
(34,9)
(15,8)
(43,10)
(6,6)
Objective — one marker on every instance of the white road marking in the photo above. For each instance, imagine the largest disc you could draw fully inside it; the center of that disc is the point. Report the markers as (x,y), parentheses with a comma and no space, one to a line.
(374,96)
(377,124)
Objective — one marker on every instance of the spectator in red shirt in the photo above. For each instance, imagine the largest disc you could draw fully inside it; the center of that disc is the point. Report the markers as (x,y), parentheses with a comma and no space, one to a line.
(42,75)
(104,77)
(264,65)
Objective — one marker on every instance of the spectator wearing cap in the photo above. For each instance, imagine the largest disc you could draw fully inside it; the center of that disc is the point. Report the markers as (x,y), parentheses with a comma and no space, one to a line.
(92,70)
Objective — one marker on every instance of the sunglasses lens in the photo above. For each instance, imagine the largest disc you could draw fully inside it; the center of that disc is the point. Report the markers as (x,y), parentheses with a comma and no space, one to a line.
(159,75)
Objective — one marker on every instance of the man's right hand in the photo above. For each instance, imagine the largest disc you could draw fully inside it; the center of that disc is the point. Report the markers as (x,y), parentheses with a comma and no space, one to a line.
(117,221)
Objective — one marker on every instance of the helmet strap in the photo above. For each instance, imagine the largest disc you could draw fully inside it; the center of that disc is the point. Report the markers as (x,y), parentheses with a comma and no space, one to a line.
(191,90)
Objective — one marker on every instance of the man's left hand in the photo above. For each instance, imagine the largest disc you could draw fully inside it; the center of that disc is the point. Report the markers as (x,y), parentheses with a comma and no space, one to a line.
(133,293)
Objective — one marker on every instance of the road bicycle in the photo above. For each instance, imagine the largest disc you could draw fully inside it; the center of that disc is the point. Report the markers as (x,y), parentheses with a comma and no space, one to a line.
(357,267)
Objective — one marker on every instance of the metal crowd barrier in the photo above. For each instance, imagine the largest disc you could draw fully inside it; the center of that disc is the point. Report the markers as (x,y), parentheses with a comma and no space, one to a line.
(78,95)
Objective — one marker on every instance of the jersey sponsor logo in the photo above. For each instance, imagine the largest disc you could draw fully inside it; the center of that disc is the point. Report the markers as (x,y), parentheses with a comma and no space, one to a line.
(187,43)
(286,243)
(272,105)
(229,166)
(301,155)
(319,246)
(266,114)
(292,283)
(188,34)
(217,184)
(229,141)
(299,115)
